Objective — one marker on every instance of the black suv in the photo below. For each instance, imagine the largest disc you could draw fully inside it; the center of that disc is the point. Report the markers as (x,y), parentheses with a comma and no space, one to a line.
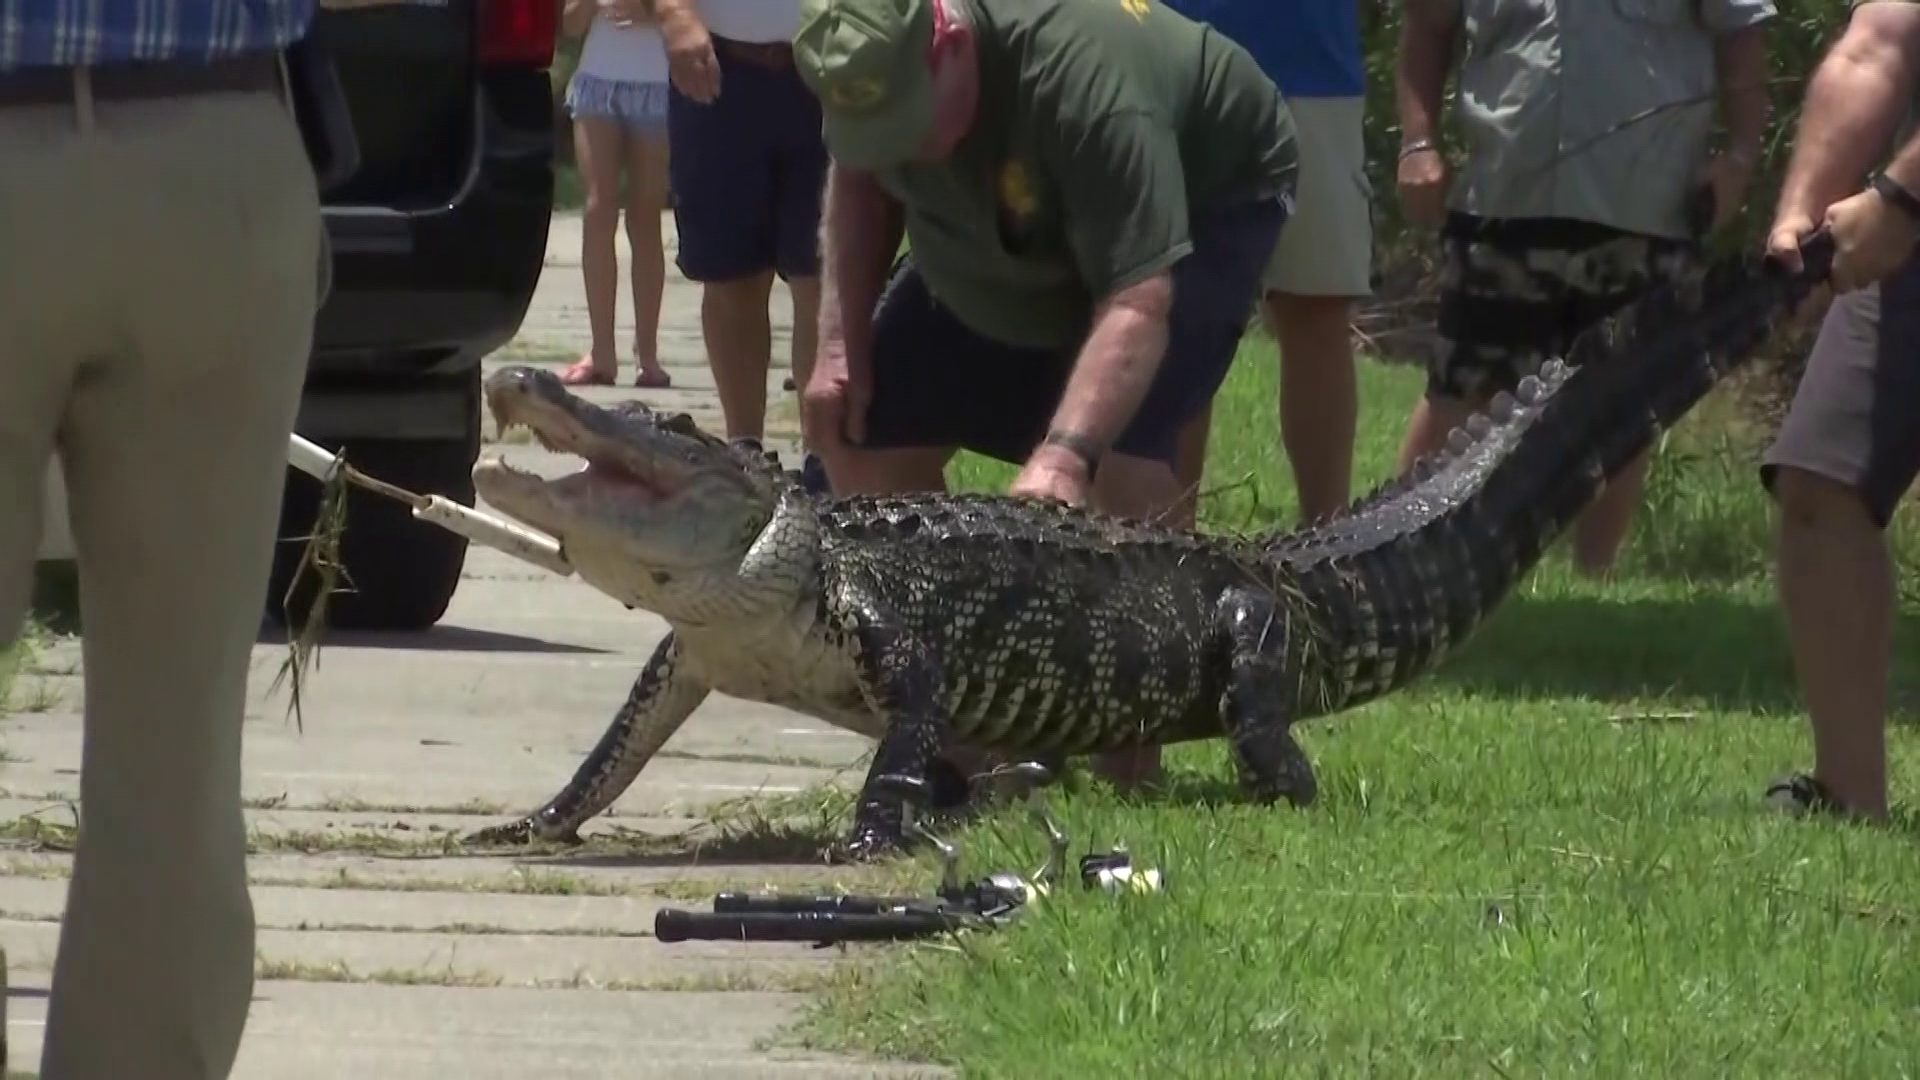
(438,240)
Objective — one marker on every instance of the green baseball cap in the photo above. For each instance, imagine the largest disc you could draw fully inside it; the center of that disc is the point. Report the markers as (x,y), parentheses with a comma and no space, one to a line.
(866,60)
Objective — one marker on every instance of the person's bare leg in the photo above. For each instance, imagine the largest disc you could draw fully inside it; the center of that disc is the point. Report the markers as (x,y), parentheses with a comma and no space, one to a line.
(855,471)
(1433,419)
(1190,469)
(1603,527)
(599,148)
(805,292)
(646,160)
(734,321)
(1835,579)
(1140,488)
(1319,398)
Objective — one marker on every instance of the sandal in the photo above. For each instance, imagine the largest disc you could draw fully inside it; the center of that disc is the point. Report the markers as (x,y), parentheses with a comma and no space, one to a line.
(1801,793)
(646,381)
(582,373)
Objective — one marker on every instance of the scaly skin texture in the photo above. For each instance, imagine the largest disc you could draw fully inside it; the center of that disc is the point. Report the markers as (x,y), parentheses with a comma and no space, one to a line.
(1032,628)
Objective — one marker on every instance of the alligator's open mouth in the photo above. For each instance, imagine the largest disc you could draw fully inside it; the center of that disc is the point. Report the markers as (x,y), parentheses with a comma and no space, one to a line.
(627,460)
(605,473)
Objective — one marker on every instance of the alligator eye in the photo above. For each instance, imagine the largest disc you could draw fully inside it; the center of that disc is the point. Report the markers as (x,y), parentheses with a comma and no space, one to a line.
(680,424)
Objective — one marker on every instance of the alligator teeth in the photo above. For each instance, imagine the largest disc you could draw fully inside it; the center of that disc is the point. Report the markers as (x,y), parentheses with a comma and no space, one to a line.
(499,461)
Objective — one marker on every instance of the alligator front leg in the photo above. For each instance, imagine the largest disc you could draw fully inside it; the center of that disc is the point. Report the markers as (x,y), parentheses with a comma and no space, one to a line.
(662,698)
(902,685)
(1261,684)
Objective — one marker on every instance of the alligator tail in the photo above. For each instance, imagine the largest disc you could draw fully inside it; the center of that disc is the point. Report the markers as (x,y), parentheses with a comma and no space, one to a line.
(1410,570)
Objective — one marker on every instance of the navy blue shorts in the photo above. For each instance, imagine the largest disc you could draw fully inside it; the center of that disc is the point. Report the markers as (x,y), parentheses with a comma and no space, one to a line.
(937,383)
(747,170)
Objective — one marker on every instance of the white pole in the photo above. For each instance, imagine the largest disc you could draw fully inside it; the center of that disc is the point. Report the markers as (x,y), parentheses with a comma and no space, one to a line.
(310,458)
(514,539)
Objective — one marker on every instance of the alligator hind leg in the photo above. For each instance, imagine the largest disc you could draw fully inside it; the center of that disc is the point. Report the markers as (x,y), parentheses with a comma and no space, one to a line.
(899,776)
(902,685)
(1259,730)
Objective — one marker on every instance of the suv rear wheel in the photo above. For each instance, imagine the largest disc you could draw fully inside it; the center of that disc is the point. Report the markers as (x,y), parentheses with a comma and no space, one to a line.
(400,572)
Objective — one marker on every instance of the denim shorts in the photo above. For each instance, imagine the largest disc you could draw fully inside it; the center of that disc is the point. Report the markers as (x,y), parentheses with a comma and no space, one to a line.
(639,106)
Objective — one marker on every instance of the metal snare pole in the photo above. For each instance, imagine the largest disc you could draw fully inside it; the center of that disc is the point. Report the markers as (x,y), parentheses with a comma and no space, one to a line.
(481,528)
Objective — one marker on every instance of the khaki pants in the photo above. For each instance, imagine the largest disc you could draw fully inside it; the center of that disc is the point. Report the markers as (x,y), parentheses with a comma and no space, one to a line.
(157,292)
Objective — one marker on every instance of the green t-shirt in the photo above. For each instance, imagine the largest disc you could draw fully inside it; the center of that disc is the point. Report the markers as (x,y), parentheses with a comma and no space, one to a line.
(1103,128)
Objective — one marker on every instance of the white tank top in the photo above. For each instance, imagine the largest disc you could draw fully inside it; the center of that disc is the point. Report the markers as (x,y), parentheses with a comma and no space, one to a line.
(623,53)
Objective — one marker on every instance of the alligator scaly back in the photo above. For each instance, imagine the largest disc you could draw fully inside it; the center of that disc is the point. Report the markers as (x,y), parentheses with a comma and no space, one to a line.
(1411,569)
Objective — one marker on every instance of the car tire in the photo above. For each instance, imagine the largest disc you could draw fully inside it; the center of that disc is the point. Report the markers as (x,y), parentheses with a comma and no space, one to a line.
(400,572)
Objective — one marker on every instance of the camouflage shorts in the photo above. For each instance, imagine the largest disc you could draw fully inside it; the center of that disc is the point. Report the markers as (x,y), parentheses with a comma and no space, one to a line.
(1514,294)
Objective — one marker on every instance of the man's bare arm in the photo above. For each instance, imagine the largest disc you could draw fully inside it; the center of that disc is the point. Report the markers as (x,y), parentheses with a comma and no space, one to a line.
(1853,103)
(1117,364)
(1427,38)
(860,229)
(1740,59)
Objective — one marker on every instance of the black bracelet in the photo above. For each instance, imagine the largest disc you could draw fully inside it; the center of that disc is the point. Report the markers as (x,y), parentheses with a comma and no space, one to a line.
(1896,196)
(1081,446)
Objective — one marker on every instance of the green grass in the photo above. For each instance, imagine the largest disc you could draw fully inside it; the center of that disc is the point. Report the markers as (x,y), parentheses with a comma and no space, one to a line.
(1529,866)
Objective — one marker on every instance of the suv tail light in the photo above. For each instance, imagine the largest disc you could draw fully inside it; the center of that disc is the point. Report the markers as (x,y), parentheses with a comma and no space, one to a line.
(518,32)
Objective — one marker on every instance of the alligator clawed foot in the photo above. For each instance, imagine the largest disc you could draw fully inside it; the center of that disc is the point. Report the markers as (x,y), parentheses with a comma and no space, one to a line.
(512,834)
(866,846)
(516,834)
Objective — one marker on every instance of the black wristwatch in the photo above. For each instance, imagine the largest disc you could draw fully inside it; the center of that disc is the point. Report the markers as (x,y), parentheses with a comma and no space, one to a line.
(1896,196)
(1081,446)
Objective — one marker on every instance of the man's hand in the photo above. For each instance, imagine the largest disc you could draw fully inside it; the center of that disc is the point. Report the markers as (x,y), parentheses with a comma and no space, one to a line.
(1054,472)
(833,404)
(1422,182)
(1728,176)
(1870,239)
(577,15)
(691,64)
(1790,229)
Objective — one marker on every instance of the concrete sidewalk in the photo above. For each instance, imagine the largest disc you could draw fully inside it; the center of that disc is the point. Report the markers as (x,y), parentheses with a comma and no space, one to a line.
(382,956)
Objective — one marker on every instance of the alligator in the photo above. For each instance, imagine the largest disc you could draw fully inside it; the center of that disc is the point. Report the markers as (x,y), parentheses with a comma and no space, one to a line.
(1027,626)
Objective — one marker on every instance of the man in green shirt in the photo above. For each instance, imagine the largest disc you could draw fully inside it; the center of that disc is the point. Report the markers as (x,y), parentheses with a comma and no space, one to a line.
(1849,449)
(1091,190)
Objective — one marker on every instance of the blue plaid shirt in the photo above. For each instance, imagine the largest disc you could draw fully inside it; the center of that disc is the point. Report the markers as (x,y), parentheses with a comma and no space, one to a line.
(72,33)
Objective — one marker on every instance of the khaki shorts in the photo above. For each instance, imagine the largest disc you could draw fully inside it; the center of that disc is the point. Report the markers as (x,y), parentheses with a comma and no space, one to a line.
(1326,247)
(1855,418)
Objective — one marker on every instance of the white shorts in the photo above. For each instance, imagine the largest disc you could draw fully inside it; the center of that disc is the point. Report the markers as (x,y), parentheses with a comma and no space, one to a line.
(1326,246)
